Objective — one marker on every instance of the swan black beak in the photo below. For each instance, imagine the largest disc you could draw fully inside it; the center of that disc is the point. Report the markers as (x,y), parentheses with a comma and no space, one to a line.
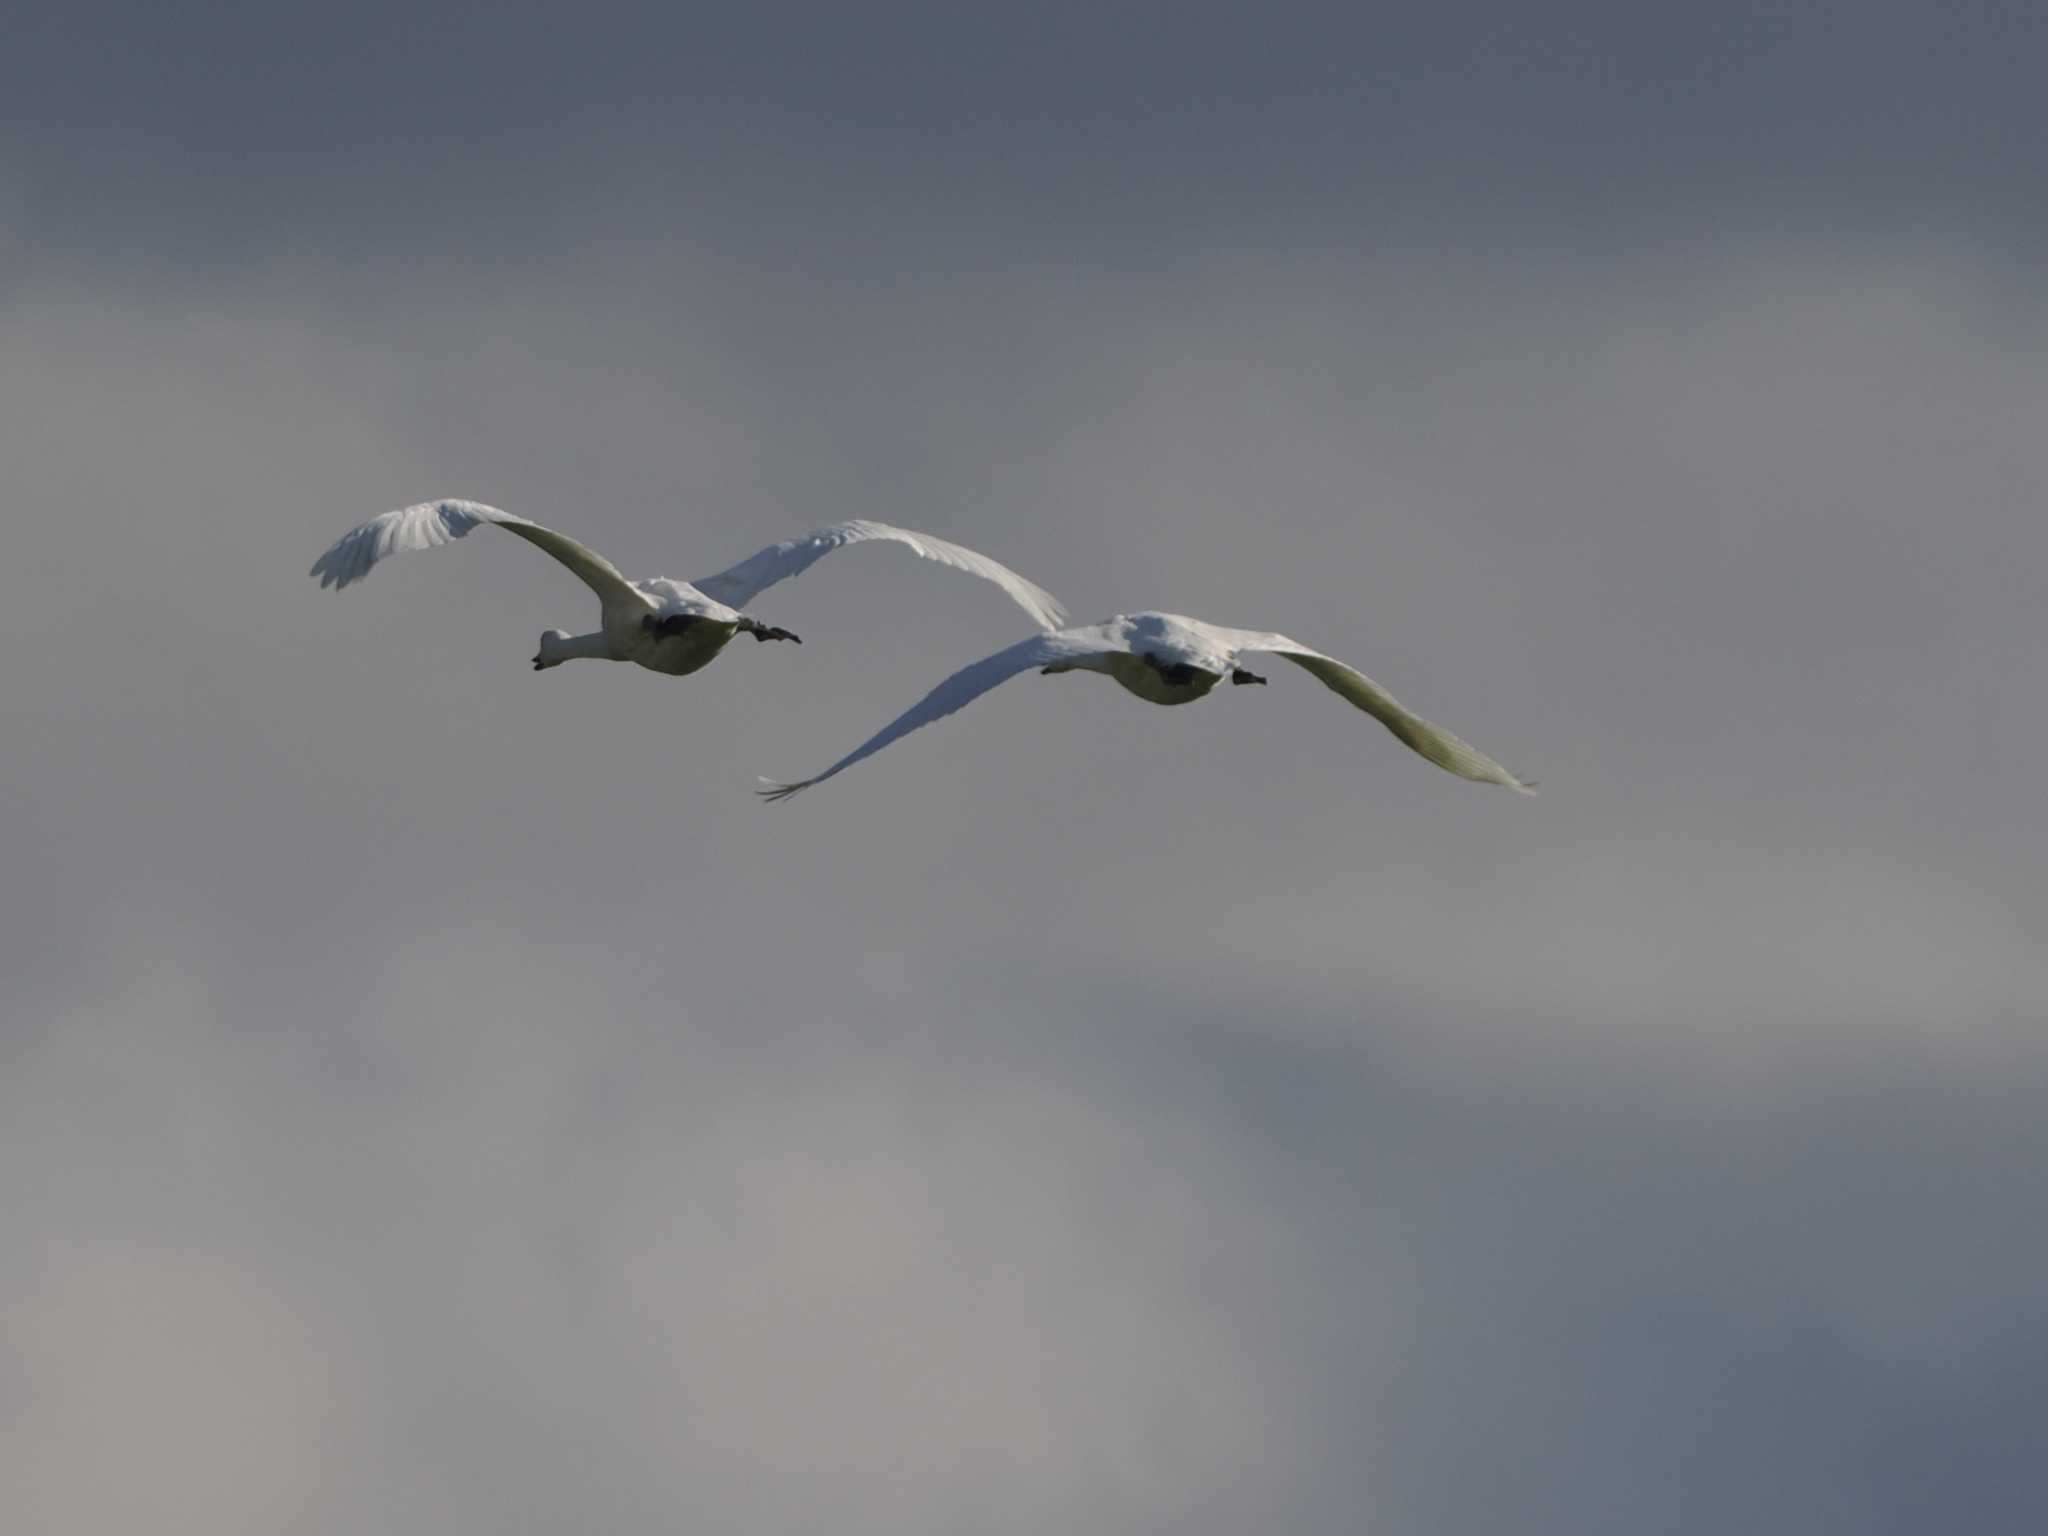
(1241,677)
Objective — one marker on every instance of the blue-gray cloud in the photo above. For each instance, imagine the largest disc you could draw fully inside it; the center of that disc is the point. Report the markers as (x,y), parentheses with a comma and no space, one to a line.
(222,125)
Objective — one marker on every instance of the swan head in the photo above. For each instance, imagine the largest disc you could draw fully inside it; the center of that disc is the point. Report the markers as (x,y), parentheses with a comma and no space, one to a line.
(551,654)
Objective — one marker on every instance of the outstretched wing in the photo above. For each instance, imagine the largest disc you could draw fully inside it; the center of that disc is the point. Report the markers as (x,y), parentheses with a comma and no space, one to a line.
(1432,741)
(792,557)
(433,523)
(962,688)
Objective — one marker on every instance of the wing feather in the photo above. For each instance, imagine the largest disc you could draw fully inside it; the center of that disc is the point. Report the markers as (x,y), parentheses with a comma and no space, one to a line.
(431,524)
(1447,751)
(738,586)
(957,691)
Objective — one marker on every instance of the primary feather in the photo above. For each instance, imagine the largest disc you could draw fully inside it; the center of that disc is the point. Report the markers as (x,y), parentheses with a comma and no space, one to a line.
(792,557)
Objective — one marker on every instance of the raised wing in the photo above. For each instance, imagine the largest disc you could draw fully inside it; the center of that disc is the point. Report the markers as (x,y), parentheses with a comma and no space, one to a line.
(1432,741)
(738,586)
(962,688)
(434,523)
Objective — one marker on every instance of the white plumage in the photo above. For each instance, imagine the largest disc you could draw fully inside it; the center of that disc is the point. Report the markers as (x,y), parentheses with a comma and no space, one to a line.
(664,625)
(1165,658)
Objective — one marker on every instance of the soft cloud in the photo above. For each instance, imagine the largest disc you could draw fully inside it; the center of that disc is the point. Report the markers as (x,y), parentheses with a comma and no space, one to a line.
(436,1096)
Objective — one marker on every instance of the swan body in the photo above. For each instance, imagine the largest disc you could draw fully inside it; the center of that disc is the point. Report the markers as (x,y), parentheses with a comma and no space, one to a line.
(1167,658)
(664,625)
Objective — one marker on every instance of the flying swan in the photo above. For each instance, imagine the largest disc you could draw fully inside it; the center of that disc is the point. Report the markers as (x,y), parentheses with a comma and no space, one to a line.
(1165,658)
(663,625)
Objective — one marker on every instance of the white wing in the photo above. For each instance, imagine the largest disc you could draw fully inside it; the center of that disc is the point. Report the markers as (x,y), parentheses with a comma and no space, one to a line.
(792,557)
(1432,741)
(433,523)
(963,687)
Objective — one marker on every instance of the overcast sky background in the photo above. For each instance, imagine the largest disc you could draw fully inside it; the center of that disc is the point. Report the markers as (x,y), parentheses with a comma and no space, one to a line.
(436,1097)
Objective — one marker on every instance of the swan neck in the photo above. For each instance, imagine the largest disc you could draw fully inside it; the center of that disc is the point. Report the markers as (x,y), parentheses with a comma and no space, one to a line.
(576,647)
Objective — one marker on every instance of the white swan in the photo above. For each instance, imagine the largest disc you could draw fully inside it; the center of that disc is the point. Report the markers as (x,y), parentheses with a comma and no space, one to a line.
(1165,658)
(663,625)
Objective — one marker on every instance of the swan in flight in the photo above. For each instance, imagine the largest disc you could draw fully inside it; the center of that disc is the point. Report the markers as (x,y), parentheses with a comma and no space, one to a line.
(1165,658)
(664,625)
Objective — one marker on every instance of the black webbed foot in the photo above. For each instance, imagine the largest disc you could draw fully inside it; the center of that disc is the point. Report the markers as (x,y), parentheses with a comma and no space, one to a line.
(1240,677)
(770,632)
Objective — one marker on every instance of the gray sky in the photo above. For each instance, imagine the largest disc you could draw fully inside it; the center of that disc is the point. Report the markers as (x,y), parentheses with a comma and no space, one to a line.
(437,1097)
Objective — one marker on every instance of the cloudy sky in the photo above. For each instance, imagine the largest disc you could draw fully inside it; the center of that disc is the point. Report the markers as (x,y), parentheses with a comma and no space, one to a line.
(438,1097)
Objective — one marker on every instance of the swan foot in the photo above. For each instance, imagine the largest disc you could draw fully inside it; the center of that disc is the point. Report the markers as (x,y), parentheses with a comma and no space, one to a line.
(1241,677)
(770,632)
